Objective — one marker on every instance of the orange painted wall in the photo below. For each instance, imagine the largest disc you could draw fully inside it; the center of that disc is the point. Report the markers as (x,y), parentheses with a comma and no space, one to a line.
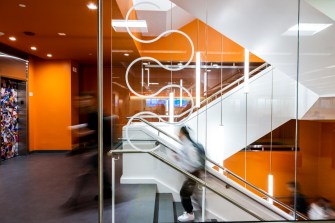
(315,170)
(258,167)
(50,105)
(205,39)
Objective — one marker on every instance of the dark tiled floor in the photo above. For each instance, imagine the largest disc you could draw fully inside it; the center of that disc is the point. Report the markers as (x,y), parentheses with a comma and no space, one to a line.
(33,187)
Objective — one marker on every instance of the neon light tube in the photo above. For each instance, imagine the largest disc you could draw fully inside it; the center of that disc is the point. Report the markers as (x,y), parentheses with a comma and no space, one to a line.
(197,80)
(181,92)
(246,70)
(205,83)
(171,107)
(270,187)
(142,78)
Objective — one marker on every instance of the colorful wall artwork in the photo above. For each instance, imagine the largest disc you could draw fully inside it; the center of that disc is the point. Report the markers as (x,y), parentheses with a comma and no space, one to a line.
(9,119)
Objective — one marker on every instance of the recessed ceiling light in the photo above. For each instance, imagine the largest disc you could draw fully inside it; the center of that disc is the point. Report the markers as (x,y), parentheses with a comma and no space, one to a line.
(49,55)
(134,25)
(33,48)
(126,54)
(12,38)
(22,5)
(1,33)
(92,6)
(62,34)
(306,29)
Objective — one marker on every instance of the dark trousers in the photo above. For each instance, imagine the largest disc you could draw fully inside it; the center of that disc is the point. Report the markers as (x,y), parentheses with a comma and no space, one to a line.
(186,192)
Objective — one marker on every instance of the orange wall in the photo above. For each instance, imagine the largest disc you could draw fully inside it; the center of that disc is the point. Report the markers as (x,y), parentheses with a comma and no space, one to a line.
(315,163)
(258,167)
(50,105)
(205,39)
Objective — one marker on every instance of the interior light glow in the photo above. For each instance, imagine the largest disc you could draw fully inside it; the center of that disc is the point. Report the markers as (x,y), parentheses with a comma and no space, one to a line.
(49,55)
(181,93)
(33,48)
(246,70)
(205,83)
(306,29)
(12,38)
(130,23)
(270,187)
(148,75)
(1,33)
(62,34)
(171,107)
(126,54)
(197,80)
(92,6)
(22,5)
(142,77)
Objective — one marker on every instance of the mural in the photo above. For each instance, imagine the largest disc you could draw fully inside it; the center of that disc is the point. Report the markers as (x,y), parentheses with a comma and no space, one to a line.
(9,119)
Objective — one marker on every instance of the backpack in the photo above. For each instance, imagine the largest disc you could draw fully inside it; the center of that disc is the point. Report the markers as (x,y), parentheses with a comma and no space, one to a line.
(201,154)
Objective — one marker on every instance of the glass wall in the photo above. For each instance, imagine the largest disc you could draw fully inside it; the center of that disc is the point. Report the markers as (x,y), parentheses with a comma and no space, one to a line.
(249,117)
(253,81)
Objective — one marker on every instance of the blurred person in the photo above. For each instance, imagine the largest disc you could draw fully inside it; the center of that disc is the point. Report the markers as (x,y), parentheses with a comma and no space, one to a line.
(297,198)
(321,210)
(192,159)
(87,135)
(317,210)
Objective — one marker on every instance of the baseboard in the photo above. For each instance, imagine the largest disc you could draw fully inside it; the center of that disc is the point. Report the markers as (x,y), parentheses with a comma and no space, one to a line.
(48,151)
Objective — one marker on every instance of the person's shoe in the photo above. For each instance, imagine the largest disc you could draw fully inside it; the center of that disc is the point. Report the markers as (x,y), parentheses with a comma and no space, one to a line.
(186,217)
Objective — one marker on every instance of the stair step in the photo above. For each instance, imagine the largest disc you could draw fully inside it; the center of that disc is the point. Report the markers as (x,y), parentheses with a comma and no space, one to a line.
(142,205)
(165,208)
(178,210)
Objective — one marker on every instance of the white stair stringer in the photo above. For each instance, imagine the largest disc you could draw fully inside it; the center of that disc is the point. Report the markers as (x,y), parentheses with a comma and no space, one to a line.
(247,117)
(141,168)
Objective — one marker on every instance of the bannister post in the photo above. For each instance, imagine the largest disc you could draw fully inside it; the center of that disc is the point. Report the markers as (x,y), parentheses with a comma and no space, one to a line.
(113,190)
(203,208)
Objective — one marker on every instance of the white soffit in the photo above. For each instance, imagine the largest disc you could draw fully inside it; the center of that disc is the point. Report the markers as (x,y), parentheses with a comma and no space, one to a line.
(327,7)
(163,5)
(258,25)
(159,19)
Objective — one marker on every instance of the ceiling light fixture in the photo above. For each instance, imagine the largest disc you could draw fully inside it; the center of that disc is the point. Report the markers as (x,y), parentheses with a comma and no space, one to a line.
(49,55)
(306,29)
(12,38)
(22,5)
(62,34)
(92,6)
(126,54)
(134,25)
(33,48)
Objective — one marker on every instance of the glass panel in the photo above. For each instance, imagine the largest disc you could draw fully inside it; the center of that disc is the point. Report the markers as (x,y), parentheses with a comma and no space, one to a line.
(316,64)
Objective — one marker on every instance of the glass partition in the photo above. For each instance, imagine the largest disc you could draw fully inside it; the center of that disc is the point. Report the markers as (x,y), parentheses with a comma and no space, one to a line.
(253,80)
(242,76)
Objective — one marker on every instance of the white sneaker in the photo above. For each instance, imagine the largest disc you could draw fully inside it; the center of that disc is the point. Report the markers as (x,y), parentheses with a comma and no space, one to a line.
(186,217)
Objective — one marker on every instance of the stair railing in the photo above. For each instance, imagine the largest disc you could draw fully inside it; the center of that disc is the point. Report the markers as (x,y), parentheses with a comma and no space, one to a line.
(198,180)
(230,173)
(213,96)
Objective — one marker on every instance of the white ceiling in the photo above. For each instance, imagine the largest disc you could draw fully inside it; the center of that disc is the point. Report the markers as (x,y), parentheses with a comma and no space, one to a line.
(159,18)
(259,24)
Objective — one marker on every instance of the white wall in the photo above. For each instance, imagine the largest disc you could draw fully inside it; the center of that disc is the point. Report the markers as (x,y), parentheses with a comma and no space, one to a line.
(270,103)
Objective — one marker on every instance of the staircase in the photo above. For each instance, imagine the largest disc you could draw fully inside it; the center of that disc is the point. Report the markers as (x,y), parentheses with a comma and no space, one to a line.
(145,204)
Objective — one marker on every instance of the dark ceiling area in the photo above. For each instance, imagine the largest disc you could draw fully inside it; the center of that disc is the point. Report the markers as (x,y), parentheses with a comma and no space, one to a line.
(41,24)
